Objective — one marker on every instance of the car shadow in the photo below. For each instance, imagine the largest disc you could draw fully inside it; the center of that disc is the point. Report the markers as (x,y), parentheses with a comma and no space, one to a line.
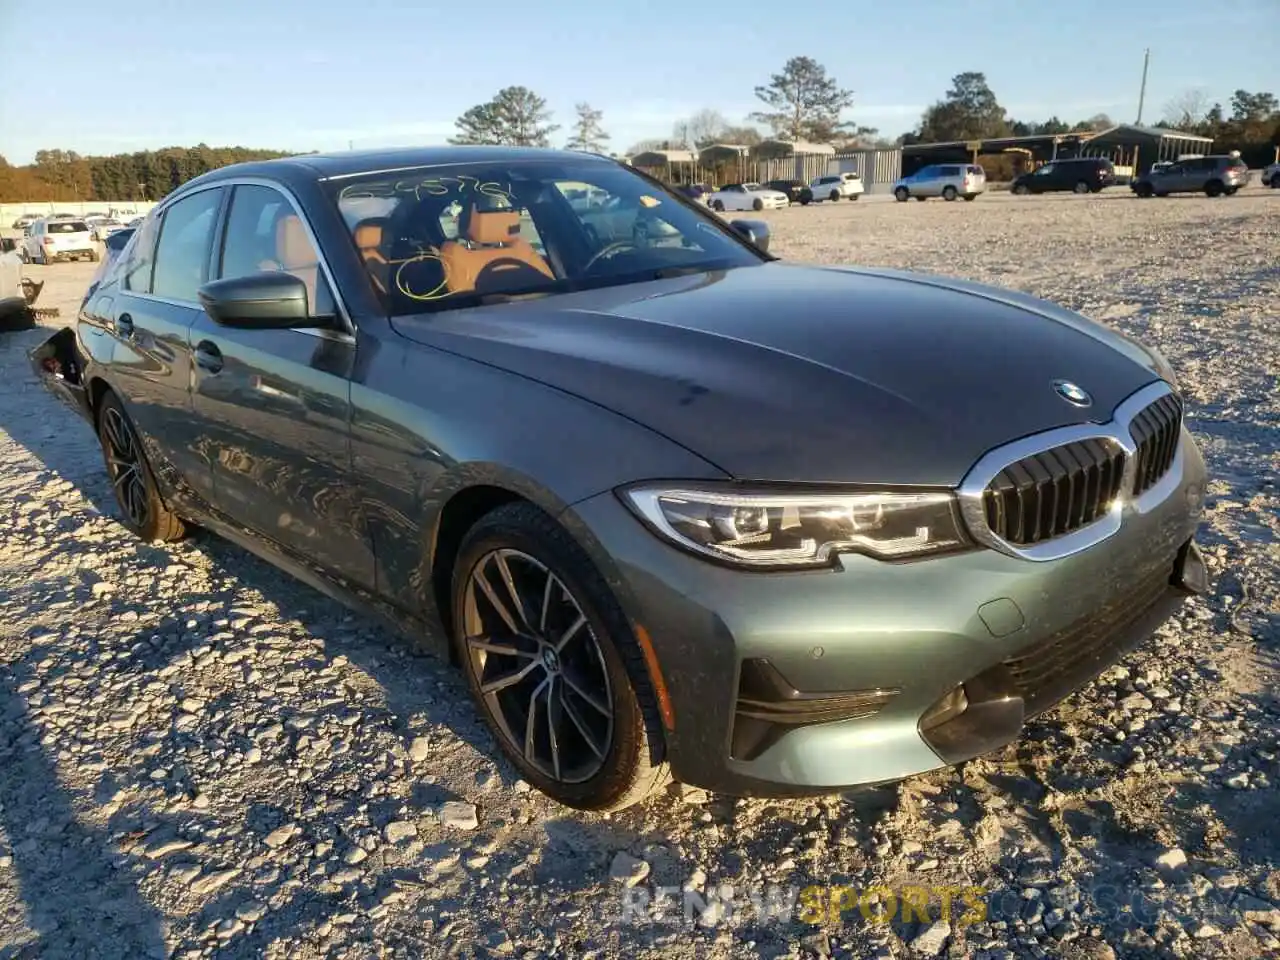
(163,814)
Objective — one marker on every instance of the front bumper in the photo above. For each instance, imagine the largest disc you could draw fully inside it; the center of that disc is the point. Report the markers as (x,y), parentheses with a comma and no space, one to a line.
(870,656)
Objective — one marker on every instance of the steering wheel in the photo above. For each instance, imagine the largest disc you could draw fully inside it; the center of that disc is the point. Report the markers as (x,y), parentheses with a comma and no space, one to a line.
(607,251)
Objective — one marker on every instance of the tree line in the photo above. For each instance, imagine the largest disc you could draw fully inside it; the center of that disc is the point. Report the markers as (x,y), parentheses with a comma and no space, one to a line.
(802,102)
(142,175)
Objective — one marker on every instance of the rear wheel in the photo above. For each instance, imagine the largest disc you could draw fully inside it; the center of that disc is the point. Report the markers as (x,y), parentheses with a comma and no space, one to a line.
(1231,191)
(1021,190)
(949,193)
(901,194)
(1144,190)
(1213,188)
(717,205)
(1080,187)
(132,481)
(553,664)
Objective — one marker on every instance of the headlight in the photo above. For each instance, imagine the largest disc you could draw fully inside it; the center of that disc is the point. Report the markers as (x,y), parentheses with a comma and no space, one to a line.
(800,530)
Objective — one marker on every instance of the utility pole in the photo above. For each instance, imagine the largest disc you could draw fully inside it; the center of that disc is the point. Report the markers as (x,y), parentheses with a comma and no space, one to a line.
(1142,93)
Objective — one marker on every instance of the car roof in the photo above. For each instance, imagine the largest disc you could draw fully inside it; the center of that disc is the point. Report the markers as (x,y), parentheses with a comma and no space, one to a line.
(326,166)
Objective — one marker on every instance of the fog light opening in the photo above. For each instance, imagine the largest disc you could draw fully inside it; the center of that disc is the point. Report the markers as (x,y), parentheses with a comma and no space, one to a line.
(950,706)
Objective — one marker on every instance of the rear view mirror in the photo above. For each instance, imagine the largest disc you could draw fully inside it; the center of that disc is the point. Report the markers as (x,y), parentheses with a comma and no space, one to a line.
(755,232)
(261,301)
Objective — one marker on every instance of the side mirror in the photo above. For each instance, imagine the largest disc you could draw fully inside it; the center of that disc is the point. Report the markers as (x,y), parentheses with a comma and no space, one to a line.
(261,301)
(755,232)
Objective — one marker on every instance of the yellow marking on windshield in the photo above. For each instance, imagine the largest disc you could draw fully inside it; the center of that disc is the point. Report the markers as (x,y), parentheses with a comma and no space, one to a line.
(439,292)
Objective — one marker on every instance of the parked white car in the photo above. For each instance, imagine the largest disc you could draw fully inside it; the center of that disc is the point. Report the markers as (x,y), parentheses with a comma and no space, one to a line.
(103,227)
(945,180)
(59,238)
(748,196)
(834,186)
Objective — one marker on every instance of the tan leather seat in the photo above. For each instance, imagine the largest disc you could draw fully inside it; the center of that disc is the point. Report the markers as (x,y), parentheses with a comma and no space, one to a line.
(296,255)
(491,256)
(368,236)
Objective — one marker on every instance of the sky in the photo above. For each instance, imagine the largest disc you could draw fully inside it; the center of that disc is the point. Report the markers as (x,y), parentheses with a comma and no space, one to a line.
(328,74)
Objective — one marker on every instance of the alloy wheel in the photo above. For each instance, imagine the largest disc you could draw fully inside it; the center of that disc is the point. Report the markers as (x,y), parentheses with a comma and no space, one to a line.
(538,665)
(124,466)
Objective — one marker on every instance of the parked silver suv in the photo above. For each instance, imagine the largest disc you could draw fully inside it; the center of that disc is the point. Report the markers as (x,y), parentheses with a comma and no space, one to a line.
(945,180)
(1211,175)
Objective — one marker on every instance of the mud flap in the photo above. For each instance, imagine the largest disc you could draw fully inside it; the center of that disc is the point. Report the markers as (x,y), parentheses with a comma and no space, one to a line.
(58,364)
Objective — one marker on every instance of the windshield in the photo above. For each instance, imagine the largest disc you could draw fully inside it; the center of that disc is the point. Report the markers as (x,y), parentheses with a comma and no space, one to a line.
(443,237)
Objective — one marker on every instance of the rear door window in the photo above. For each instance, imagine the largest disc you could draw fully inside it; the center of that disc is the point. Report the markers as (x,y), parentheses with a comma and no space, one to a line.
(950,172)
(182,255)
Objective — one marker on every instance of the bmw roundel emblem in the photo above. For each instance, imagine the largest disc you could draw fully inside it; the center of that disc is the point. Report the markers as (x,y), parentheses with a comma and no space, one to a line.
(1072,393)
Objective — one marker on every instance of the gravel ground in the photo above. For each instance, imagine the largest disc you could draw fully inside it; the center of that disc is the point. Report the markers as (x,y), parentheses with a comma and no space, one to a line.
(200,756)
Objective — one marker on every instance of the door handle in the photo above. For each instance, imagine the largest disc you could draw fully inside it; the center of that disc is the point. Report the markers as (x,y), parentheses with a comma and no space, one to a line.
(208,356)
(124,325)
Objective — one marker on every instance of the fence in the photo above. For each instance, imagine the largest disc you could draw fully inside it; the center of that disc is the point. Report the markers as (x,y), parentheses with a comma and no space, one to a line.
(9,212)
(877,168)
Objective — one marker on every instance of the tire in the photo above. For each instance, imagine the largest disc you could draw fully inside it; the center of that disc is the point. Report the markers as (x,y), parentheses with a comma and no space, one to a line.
(1213,188)
(757,204)
(1021,190)
(834,196)
(603,654)
(143,510)
(902,194)
(805,201)
(1080,187)
(718,206)
(1144,190)
(949,194)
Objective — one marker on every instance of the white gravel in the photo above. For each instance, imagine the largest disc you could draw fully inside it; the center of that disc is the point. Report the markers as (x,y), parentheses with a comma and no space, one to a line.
(199,755)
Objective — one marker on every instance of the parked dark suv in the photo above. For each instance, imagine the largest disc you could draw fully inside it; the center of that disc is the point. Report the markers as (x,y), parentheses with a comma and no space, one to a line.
(797,191)
(1079,175)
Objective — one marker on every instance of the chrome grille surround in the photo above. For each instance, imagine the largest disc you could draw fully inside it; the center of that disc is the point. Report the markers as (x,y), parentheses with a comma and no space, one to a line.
(1113,434)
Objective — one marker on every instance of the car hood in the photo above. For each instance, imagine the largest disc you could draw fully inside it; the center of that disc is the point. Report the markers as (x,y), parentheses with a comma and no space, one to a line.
(783,372)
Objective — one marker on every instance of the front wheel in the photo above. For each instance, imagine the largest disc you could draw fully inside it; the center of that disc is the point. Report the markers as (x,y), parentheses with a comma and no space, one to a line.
(949,193)
(553,663)
(1021,190)
(901,194)
(1144,190)
(757,204)
(1080,187)
(132,481)
(834,196)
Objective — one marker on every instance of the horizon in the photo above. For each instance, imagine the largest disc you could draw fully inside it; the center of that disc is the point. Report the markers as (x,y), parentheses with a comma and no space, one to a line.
(226,85)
